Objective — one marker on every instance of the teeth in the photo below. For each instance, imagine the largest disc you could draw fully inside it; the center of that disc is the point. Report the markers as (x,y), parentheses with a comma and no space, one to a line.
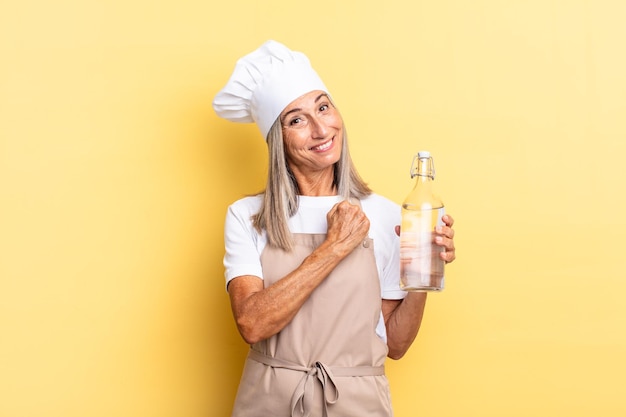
(324,146)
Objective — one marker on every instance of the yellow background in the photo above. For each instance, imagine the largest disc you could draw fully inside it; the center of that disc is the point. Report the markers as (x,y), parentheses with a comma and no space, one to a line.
(115,175)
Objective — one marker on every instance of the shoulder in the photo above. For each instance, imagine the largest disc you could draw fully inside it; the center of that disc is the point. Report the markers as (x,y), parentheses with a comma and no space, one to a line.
(243,243)
(246,206)
(239,231)
(240,213)
(252,202)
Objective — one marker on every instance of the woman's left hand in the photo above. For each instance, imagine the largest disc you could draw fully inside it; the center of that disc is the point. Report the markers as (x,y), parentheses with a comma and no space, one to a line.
(444,236)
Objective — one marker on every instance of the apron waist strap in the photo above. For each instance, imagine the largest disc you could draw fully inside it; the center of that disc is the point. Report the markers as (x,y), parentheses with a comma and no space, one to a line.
(303,394)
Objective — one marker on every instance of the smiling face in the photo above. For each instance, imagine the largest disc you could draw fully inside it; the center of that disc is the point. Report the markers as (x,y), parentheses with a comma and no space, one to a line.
(312,133)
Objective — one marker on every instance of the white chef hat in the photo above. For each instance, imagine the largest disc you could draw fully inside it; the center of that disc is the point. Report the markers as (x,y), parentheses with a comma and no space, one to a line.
(263,83)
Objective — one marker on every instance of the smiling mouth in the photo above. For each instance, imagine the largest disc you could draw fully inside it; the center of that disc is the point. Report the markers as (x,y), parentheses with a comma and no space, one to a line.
(323,146)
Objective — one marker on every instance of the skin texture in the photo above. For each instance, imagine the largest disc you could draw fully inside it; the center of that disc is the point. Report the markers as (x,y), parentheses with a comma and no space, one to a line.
(313,131)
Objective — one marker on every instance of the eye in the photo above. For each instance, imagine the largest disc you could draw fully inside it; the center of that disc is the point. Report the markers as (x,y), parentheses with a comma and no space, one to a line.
(295,121)
(324,107)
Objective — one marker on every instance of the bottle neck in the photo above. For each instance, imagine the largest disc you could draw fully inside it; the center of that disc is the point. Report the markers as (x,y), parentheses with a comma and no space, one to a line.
(422,197)
(424,170)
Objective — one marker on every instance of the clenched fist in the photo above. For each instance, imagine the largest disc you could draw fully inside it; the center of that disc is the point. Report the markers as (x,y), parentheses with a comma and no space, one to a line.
(347,226)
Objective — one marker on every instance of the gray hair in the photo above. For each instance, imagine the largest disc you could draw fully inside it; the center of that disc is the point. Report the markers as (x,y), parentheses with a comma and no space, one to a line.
(280,199)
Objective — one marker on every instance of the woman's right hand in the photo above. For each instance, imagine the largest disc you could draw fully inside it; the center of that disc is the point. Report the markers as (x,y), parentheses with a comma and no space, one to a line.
(347,226)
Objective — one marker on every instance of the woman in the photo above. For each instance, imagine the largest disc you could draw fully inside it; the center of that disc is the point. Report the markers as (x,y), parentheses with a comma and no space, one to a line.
(312,264)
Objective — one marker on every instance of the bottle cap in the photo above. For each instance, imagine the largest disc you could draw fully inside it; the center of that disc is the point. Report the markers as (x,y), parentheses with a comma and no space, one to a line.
(423,154)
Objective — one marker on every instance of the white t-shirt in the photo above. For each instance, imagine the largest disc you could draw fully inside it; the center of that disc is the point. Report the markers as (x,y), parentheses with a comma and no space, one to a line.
(244,244)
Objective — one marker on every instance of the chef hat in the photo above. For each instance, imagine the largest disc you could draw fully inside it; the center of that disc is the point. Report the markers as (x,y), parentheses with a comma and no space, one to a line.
(263,83)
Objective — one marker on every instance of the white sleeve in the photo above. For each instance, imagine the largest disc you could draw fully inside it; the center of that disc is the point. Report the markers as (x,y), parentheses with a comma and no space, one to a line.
(390,281)
(385,215)
(241,240)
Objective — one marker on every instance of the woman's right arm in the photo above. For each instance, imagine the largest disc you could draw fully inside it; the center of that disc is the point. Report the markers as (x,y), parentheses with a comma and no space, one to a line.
(262,312)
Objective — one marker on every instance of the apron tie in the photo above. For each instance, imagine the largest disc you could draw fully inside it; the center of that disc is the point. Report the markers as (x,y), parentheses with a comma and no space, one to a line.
(304,392)
(303,395)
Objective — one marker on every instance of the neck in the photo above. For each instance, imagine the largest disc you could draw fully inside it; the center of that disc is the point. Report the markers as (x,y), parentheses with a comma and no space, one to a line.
(318,184)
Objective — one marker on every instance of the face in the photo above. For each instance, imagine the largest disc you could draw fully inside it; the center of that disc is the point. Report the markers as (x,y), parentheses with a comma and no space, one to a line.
(312,134)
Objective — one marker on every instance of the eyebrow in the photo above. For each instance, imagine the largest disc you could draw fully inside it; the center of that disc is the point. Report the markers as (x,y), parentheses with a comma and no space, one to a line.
(318,98)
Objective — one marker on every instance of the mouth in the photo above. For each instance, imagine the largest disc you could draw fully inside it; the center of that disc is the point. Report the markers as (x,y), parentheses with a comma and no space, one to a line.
(324,146)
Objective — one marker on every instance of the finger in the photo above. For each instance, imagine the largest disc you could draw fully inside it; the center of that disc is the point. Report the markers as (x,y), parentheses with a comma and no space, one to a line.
(354,211)
(448,220)
(351,215)
(346,207)
(445,231)
(448,244)
(397,228)
(448,256)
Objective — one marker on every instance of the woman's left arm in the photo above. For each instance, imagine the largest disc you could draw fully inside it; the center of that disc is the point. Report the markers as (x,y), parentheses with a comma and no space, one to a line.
(404,317)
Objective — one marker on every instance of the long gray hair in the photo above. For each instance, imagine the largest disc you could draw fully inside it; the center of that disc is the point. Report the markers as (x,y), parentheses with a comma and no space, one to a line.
(280,200)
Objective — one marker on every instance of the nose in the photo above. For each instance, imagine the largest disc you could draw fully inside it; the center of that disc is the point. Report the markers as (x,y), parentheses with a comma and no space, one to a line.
(319,128)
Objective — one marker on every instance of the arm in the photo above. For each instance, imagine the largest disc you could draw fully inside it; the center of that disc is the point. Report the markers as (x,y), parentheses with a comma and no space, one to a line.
(404,317)
(262,312)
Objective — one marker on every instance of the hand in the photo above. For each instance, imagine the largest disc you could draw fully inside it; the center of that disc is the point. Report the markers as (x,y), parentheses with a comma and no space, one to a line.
(444,236)
(347,226)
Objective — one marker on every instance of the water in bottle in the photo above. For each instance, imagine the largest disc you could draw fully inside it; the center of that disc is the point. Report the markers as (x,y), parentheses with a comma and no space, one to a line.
(421,268)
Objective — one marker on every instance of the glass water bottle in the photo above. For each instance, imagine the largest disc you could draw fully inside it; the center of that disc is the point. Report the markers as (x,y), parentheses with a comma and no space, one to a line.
(421,268)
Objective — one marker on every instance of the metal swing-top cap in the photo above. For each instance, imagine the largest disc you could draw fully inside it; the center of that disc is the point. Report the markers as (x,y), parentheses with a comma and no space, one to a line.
(414,164)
